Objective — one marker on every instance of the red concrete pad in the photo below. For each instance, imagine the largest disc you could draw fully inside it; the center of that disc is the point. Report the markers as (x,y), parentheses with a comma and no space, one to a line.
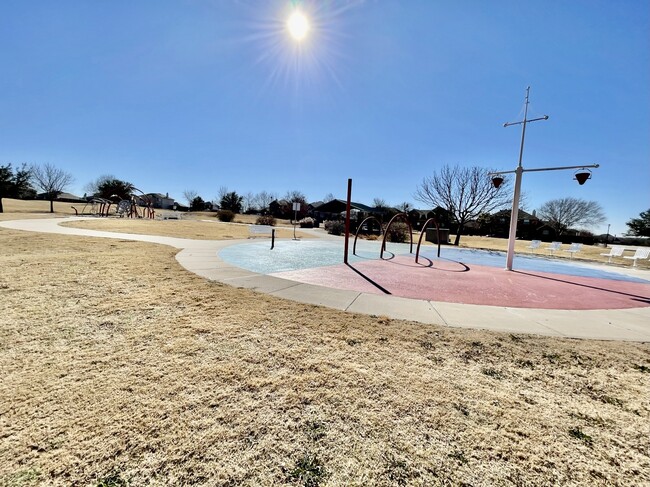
(454,282)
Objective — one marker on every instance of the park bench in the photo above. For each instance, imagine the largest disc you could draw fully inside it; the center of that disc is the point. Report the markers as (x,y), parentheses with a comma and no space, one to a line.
(574,249)
(554,247)
(534,245)
(171,216)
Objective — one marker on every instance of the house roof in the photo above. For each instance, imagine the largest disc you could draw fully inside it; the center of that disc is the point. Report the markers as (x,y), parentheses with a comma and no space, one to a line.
(337,206)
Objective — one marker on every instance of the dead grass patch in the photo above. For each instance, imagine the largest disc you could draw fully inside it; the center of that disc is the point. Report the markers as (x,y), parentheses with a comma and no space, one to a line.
(195,229)
(119,367)
(589,253)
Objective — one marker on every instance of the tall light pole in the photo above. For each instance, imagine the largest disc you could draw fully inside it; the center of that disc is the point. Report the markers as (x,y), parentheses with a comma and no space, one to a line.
(514,214)
(581,177)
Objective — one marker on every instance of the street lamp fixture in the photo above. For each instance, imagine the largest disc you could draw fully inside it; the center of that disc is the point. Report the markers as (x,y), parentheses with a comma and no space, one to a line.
(496,181)
(581,176)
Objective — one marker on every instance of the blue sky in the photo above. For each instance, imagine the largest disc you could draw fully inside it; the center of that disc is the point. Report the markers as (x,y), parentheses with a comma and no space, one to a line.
(175,95)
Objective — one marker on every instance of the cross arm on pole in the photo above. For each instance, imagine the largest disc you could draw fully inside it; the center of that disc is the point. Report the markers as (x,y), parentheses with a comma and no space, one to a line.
(508,124)
(559,168)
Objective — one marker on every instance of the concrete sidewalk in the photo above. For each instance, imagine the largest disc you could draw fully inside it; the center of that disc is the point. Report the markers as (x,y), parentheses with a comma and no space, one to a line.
(201,257)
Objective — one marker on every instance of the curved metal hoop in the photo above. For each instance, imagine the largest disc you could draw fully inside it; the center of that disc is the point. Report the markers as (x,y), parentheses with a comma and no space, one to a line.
(383,242)
(356,235)
(424,227)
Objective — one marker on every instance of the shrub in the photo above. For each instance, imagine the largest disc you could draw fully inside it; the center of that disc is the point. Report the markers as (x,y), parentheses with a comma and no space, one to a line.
(334,227)
(265,220)
(306,222)
(398,232)
(225,215)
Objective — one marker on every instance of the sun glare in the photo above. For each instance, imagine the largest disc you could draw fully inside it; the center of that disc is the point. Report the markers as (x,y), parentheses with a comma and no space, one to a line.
(298,25)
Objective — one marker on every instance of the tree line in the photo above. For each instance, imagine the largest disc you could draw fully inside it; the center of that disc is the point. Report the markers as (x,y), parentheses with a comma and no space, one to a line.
(466,193)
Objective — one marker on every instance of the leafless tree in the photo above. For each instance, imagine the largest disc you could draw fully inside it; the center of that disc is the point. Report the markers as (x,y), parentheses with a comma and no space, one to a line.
(465,192)
(51,180)
(295,195)
(329,197)
(93,186)
(223,191)
(564,213)
(190,195)
(405,207)
(248,202)
(263,199)
(379,203)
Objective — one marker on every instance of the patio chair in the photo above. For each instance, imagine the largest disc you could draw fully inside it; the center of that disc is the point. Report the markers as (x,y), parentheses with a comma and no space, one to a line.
(615,251)
(553,247)
(534,245)
(639,254)
(575,248)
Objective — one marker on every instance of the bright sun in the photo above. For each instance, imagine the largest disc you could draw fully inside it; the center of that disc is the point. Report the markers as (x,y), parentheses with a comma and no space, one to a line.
(298,25)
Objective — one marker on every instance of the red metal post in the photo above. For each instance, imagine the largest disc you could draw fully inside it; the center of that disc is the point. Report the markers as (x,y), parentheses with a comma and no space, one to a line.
(347,222)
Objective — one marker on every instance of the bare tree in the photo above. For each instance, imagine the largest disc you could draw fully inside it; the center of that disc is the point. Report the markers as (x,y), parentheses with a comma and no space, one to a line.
(329,197)
(465,192)
(263,199)
(564,213)
(51,180)
(295,195)
(93,186)
(379,203)
(223,191)
(405,207)
(190,195)
(248,202)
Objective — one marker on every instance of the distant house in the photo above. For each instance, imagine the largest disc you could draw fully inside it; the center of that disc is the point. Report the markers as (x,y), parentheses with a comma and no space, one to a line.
(528,225)
(159,200)
(333,209)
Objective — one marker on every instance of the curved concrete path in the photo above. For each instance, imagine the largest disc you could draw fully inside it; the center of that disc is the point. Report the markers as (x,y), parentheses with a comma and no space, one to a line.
(200,257)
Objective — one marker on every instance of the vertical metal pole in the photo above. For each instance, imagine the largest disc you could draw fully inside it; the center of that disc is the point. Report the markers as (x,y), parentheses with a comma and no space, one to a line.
(347,222)
(513,218)
(607,237)
(272,238)
(514,214)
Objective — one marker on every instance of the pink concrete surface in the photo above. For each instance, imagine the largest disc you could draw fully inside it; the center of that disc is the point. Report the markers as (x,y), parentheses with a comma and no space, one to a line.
(451,282)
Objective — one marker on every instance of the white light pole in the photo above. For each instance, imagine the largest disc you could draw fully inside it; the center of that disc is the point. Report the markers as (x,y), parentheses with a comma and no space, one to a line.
(581,177)
(514,214)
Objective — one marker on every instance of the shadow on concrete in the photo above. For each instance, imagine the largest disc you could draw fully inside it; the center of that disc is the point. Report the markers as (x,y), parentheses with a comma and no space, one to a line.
(381,288)
(634,297)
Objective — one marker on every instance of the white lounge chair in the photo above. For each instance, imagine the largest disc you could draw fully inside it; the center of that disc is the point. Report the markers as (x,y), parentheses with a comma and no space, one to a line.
(615,251)
(555,246)
(575,248)
(534,245)
(639,254)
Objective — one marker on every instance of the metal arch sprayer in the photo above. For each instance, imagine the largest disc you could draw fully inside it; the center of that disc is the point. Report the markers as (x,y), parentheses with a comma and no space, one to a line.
(424,227)
(383,242)
(356,235)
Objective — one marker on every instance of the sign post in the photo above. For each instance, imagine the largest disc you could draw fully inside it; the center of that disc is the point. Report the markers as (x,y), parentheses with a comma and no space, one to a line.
(296,209)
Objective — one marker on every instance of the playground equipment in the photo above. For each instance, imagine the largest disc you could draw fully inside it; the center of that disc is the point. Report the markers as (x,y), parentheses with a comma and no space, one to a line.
(424,228)
(402,216)
(365,221)
(124,208)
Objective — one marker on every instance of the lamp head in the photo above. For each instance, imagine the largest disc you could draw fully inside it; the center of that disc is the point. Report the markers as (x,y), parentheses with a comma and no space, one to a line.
(496,181)
(582,175)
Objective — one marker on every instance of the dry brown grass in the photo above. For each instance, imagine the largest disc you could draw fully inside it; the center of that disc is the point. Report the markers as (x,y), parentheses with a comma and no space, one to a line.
(118,367)
(196,229)
(589,253)
(21,209)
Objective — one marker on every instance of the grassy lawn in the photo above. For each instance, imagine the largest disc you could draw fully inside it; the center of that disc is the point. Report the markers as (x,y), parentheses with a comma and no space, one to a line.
(118,367)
